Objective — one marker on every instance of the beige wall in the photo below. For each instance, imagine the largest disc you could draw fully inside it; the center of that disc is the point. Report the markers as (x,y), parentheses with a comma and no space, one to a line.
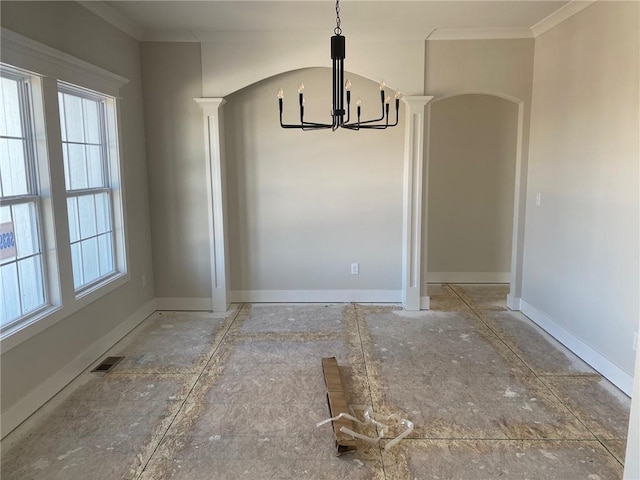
(303,206)
(171,79)
(581,251)
(472,159)
(499,67)
(70,28)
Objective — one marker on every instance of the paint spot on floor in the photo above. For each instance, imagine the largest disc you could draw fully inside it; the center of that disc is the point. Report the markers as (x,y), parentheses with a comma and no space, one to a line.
(549,455)
(508,393)
(71,452)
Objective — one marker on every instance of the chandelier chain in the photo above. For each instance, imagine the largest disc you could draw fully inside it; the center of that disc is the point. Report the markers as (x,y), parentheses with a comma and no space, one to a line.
(337,30)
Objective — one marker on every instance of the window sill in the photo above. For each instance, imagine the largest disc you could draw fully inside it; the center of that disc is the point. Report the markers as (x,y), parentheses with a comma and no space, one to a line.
(50,316)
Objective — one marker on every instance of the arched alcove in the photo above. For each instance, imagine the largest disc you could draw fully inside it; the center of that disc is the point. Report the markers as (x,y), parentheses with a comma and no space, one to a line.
(303,206)
(473,157)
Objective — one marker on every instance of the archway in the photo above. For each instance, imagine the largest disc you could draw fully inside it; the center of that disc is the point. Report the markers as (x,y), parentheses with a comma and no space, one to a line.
(474,206)
(363,150)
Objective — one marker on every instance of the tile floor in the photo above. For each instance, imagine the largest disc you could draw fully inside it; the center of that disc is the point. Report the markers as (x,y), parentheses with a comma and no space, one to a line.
(238,395)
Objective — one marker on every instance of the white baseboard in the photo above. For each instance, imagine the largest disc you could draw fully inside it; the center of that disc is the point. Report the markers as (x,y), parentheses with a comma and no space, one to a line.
(598,362)
(315,296)
(425,303)
(183,303)
(35,399)
(468,277)
(514,303)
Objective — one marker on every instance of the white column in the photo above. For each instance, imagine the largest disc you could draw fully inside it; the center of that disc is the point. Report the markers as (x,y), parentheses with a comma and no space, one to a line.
(216,200)
(412,203)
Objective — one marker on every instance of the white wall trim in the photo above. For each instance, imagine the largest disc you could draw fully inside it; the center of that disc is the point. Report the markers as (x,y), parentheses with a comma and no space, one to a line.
(176,37)
(183,304)
(315,296)
(114,18)
(519,212)
(514,303)
(566,11)
(35,399)
(216,200)
(23,52)
(413,189)
(481,33)
(468,277)
(425,303)
(611,371)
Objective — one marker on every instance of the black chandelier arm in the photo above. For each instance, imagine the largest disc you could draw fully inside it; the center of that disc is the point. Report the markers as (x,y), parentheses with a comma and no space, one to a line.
(368,124)
(364,124)
(305,125)
(382,105)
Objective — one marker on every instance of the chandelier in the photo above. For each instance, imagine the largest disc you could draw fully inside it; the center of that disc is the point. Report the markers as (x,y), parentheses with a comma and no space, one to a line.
(339,86)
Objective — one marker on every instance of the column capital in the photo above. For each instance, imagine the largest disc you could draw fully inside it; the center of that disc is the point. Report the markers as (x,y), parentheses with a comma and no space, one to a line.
(415,101)
(210,105)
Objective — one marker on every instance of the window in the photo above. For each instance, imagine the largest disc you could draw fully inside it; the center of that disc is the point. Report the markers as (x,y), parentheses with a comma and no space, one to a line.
(83,129)
(62,228)
(22,276)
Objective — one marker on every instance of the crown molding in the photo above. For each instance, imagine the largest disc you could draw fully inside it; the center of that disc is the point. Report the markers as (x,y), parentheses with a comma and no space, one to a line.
(178,37)
(292,35)
(560,15)
(480,33)
(121,22)
(109,15)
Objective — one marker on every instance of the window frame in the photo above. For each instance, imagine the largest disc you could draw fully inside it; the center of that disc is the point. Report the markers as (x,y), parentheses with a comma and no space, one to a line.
(33,195)
(106,167)
(46,67)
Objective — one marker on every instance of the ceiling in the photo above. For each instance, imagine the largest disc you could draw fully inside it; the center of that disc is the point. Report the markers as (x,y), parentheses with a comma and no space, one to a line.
(189,20)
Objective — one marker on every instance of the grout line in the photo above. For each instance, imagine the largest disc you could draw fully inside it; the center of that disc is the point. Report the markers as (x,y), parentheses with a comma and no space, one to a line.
(199,376)
(478,313)
(368,376)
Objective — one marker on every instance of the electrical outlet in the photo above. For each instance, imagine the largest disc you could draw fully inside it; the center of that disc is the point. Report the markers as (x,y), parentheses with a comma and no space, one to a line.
(538,199)
(355,269)
(635,341)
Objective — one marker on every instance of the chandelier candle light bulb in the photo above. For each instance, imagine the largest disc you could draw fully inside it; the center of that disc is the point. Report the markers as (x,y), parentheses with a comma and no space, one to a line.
(338,110)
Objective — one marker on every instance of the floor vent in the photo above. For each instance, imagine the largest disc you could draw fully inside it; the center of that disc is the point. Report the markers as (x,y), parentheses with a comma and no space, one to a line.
(107,364)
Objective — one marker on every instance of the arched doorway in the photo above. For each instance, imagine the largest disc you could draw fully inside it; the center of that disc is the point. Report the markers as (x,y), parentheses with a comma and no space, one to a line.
(473,158)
